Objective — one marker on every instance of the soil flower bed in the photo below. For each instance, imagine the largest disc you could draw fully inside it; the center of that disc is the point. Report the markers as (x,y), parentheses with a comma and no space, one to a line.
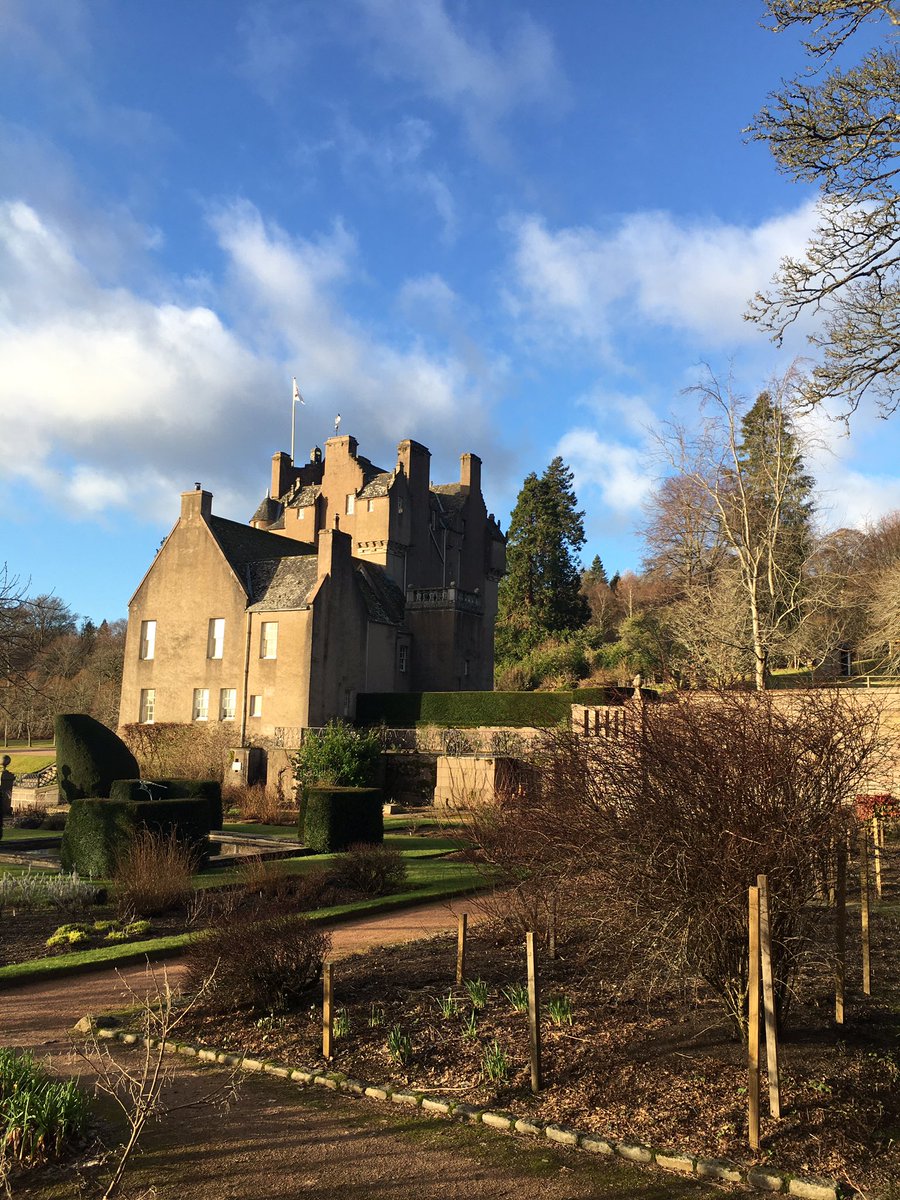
(663,1071)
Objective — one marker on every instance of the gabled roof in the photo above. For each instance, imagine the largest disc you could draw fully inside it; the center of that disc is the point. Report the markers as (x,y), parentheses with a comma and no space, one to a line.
(243,545)
(383,598)
(378,485)
(277,584)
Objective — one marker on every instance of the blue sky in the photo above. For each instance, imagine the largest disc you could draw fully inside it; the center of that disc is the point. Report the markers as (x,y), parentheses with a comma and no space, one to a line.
(512,228)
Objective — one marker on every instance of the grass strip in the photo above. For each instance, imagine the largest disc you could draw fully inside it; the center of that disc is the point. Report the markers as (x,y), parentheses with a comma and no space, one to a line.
(457,879)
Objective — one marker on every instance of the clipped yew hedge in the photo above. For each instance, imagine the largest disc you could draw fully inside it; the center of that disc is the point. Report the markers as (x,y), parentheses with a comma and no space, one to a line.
(337,817)
(470,710)
(98,829)
(142,790)
(89,757)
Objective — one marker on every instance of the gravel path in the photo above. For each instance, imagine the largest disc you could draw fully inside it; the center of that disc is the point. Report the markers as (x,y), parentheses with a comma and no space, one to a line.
(275,1140)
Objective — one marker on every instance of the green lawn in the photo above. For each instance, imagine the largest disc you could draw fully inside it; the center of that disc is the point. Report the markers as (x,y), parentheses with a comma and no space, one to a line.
(428,879)
(22,835)
(288,832)
(24,764)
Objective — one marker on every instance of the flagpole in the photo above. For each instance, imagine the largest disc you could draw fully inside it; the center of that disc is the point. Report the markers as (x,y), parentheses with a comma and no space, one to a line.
(293,414)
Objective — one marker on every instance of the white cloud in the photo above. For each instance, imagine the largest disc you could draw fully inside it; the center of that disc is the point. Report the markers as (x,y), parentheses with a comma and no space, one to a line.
(615,472)
(694,277)
(460,69)
(122,400)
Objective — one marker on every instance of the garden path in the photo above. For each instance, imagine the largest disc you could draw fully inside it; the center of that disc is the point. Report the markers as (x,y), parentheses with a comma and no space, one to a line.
(276,1141)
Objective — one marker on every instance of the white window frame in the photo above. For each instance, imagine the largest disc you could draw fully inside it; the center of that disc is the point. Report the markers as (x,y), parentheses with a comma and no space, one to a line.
(200,710)
(350,504)
(215,638)
(148,640)
(268,639)
(370,506)
(255,706)
(147,713)
(403,658)
(224,713)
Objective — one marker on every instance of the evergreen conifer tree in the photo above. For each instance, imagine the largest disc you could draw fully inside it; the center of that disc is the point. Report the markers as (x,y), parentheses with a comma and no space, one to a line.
(541,592)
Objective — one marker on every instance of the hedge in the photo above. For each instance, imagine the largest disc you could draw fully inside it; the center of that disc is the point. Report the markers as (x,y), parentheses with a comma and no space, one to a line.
(89,757)
(98,829)
(337,817)
(469,710)
(143,790)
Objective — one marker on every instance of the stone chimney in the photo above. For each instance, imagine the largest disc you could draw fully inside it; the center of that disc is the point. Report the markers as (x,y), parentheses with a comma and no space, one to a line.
(283,474)
(196,505)
(470,472)
(415,460)
(335,551)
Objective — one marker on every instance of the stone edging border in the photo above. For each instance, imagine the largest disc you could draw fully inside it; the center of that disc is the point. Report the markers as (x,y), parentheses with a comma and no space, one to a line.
(760,1178)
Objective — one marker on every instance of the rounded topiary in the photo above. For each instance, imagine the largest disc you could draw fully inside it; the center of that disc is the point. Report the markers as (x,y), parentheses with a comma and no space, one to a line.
(89,757)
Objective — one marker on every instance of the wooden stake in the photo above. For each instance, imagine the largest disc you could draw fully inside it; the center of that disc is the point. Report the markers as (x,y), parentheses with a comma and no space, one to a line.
(768,982)
(864,910)
(534,1014)
(462,926)
(328,1010)
(840,931)
(876,843)
(753,1020)
(551,932)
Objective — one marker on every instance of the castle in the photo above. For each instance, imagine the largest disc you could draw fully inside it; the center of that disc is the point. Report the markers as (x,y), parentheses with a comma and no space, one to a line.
(347,579)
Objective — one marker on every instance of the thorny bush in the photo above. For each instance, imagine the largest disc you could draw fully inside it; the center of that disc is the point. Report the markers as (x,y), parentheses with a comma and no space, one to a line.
(658,833)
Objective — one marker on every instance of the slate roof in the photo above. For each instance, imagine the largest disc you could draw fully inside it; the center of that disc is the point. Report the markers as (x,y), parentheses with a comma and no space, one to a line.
(243,545)
(268,511)
(378,485)
(277,584)
(383,598)
(302,497)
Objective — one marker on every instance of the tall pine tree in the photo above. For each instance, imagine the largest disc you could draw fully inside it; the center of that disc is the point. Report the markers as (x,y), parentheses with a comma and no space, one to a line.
(541,593)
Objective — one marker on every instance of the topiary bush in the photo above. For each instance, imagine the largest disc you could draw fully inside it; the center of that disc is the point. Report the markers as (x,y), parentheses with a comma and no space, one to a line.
(337,817)
(98,831)
(171,789)
(89,757)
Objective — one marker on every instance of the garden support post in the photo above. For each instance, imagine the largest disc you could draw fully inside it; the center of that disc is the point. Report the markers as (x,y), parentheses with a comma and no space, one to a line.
(840,931)
(768,982)
(328,1011)
(864,910)
(753,1020)
(551,932)
(534,1014)
(876,845)
(462,926)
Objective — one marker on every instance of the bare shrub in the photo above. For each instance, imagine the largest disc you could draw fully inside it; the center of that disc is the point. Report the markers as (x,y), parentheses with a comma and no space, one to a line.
(658,833)
(369,870)
(153,876)
(170,750)
(268,963)
(255,804)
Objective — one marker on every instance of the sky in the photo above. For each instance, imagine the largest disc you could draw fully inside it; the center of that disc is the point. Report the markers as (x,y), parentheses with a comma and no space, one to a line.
(518,229)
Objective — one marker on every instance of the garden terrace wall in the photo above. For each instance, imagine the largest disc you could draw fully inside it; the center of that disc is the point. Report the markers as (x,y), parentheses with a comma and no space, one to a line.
(471,710)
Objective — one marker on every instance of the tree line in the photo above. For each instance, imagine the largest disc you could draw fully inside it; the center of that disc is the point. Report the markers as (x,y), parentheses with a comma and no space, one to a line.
(52,661)
(738,582)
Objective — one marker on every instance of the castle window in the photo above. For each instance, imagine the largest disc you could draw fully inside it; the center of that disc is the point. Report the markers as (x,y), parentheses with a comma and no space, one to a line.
(351,503)
(400,504)
(256,706)
(466,668)
(148,639)
(148,706)
(201,704)
(370,506)
(403,658)
(268,639)
(215,638)
(227,704)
